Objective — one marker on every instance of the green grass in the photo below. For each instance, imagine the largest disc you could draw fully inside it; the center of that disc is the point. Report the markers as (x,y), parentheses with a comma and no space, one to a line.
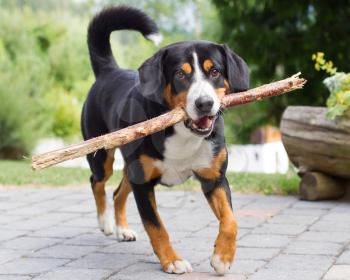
(19,173)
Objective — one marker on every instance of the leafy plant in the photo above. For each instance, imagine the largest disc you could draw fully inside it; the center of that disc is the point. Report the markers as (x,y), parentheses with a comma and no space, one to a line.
(338,84)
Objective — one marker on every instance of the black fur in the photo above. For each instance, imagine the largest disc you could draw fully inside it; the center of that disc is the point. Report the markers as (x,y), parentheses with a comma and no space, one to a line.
(120,98)
(107,21)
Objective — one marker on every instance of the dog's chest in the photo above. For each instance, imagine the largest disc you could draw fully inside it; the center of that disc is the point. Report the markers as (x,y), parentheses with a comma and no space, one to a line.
(183,153)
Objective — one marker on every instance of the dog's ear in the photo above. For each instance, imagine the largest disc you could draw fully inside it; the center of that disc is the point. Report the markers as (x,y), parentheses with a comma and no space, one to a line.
(236,70)
(152,79)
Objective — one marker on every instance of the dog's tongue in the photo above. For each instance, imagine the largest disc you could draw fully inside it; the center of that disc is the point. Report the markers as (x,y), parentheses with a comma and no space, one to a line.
(203,122)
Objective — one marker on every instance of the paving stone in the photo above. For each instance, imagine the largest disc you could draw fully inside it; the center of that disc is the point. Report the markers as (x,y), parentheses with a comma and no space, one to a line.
(8,206)
(314,204)
(209,276)
(301,262)
(272,274)
(60,217)
(249,222)
(105,261)
(90,222)
(330,226)
(241,267)
(340,217)
(29,243)
(344,258)
(7,234)
(212,231)
(313,248)
(134,248)
(31,224)
(242,233)
(341,207)
(63,251)
(137,271)
(10,254)
(293,219)
(25,266)
(256,253)
(14,277)
(185,224)
(195,244)
(246,266)
(86,207)
(75,273)
(53,234)
(5,219)
(195,257)
(338,272)
(264,241)
(280,229)
(303,212)
(94,239)
(336,237)
(62,232)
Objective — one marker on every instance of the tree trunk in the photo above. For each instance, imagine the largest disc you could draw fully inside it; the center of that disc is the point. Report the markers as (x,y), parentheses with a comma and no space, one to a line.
(318,186)
(314,143)
(320,148)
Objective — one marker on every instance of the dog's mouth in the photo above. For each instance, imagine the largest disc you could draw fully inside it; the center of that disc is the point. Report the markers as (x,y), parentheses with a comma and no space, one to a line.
(202,126)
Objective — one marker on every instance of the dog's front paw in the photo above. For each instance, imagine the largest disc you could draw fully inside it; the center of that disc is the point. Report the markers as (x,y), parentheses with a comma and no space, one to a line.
(220,264)
(178,267)
(106,222)
(126,234)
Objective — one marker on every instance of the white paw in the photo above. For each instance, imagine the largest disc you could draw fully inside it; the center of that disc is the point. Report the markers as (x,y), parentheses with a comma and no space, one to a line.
(106,222)
(126,234)
(179,267)
(219,266)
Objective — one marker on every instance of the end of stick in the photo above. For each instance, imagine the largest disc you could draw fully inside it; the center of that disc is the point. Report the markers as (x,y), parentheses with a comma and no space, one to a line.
(297,81)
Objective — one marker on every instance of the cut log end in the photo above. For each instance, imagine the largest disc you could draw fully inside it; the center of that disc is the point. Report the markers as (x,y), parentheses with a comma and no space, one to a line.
(318,186)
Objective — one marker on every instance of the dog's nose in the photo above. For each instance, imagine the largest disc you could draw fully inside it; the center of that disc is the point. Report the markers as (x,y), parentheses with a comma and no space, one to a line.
(204,104)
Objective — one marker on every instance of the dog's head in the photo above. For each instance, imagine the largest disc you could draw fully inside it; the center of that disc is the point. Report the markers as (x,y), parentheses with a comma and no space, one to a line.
(194,75)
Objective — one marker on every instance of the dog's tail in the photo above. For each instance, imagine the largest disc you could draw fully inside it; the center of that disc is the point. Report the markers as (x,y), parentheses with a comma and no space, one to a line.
(109,20)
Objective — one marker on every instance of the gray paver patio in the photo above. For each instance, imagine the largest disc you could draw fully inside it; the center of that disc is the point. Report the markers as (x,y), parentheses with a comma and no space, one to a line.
(53,234)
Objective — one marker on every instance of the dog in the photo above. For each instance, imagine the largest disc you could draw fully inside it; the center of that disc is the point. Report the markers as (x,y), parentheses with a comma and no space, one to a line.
(190,74)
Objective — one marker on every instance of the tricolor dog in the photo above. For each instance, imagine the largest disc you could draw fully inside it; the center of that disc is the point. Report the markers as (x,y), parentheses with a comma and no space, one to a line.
(191,74)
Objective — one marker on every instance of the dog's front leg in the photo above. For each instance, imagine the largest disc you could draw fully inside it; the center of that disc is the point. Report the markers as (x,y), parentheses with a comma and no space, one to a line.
(146,203)
(219,198)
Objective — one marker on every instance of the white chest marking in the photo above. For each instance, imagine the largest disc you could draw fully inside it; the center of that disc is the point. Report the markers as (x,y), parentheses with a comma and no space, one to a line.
(183,153)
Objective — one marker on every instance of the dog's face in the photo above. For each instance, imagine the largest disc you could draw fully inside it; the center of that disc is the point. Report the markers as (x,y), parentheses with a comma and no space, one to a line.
(195,76)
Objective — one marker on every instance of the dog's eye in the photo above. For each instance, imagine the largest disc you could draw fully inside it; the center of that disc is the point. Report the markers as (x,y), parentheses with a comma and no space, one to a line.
(180,74)
(214,73)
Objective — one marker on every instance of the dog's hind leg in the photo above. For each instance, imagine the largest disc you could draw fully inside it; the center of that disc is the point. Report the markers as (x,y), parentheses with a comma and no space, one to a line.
(120,196)
(101,164)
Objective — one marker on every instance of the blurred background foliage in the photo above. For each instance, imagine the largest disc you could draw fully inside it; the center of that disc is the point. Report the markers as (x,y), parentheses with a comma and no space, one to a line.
(45,71)
(277,39)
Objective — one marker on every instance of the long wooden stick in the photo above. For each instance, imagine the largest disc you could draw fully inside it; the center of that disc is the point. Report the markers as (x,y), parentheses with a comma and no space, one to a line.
(131,133)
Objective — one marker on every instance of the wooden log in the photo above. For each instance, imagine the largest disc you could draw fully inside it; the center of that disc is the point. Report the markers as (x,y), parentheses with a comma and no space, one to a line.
(314,143)
(159,123)
(318,186)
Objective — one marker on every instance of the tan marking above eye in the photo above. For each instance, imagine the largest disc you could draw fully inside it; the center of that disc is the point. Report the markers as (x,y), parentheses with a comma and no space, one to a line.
(187,68)
(207,65)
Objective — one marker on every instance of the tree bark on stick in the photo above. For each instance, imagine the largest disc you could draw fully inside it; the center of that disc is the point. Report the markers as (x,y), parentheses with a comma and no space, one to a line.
(131,133)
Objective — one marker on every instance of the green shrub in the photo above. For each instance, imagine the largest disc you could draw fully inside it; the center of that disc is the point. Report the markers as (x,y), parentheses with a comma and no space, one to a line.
(44,77)
(338,84)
